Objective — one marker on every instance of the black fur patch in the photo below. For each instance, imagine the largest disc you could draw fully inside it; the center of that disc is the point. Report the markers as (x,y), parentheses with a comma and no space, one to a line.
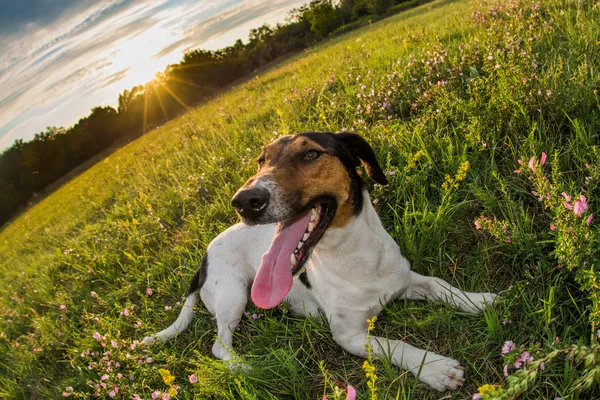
(303,277)
(200,276)
(350,149)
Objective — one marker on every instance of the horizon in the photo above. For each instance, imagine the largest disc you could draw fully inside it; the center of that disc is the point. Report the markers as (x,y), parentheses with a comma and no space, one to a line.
(59,64)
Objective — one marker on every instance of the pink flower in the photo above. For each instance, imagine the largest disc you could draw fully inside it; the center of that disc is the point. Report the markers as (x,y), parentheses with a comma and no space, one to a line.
(63,307)
(65,394)
(508,347)
(149,292)
(477,224)
(114,344)
(477,396)
(543,160)
(506,370)
(567,206)
(168,308)
(542,366)
(104,377)
(193,379)
(520,162)
(149,360)
(254,316)
(552,227)
(93,294)
(531,164)
(590,219)
(111,393)
(517,171)
(351,393)
(155,394)
(583,202)
(96,336)
(566,196)
(69,388)
(578,208)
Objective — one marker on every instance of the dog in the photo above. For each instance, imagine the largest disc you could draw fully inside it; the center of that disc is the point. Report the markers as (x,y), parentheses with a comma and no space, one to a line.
(306,215)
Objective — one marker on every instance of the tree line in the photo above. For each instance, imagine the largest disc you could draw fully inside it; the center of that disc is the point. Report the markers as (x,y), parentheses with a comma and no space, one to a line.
(26,168)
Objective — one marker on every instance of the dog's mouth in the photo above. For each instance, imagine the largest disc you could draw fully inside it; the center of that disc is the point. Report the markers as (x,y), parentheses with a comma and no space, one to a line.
(291,247)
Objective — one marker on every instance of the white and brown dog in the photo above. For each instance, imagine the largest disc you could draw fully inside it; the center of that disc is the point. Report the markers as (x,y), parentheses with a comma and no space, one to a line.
(306,215)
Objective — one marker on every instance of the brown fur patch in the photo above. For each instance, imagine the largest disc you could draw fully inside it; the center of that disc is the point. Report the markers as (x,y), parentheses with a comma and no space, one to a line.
(304,180)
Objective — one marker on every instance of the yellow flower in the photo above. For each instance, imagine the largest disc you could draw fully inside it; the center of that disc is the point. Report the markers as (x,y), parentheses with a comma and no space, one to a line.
(486,388)
(166,375)
(172,392)
(371,323)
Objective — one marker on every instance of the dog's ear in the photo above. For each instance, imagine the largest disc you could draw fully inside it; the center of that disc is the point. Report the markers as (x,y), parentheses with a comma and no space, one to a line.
(359,147)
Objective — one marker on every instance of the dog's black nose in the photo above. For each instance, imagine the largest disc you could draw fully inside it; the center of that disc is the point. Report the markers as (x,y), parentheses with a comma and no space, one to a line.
(251,203)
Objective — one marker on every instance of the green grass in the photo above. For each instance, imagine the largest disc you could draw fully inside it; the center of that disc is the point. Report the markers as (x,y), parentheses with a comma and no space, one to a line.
(462,80)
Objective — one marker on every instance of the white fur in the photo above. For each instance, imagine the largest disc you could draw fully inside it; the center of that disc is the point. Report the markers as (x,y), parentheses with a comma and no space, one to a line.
(352,270)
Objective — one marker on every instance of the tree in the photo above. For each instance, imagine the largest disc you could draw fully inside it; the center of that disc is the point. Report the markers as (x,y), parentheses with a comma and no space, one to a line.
(323,17)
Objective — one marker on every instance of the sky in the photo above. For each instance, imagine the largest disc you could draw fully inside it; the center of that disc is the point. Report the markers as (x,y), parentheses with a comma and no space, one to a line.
(61,58)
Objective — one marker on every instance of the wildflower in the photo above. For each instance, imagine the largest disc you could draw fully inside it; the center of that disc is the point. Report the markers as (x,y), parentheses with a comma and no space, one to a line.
(168,308)
(477,396)
(193,379)
(580,206)
(149,292)
(486,388)
(506,370)
(506,322)
(156,394)
(65,394)
(543,159)
(567,206)
(93,294)
(96,336)
(566,196)
(477,224)
(508,347)
(125,312)
(531,164)
(254,316)
(552,227)
(166,375)
(111,393)
(542,366)
(589,220)
(149,360)
(114,344)
(63,307)
(104,377)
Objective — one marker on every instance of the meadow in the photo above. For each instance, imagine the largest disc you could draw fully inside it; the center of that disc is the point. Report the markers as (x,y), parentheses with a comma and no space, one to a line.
(485,117)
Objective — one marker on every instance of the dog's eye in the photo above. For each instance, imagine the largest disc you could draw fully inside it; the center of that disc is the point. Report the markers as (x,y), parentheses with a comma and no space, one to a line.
(311,155)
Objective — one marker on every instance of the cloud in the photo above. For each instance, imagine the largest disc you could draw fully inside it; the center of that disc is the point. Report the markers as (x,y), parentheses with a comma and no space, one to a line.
(117,76)
(57,62)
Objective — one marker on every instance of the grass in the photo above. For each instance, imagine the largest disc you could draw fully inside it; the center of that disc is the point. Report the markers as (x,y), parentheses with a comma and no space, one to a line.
(451,82)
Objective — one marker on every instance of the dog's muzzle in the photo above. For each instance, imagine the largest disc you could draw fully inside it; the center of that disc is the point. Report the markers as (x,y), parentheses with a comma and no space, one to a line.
(251,203)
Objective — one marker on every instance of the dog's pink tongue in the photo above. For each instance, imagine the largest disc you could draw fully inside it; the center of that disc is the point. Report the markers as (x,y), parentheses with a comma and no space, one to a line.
(274,278)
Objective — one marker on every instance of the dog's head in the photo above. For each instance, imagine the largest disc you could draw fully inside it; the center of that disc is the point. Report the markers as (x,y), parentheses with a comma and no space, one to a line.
(305,183)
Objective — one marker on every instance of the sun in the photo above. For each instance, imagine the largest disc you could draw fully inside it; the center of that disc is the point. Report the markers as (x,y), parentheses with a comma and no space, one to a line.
(139,56)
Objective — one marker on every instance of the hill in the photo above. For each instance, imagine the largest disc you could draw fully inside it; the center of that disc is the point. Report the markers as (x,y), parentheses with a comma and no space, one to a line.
(485,117)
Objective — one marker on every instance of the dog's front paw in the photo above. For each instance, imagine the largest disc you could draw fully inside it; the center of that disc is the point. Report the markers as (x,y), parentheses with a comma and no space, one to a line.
(148,340)
(442,373)
(477,302)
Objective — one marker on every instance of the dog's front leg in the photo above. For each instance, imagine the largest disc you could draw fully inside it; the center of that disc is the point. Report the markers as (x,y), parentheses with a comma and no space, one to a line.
(439,372)
(436,289)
